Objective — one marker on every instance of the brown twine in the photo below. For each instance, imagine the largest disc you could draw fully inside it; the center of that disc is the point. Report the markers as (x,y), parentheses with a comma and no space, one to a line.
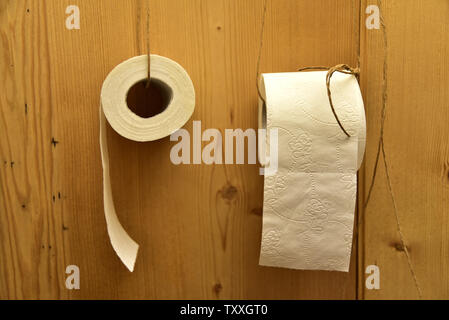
(148,45)
(356,24)
(260,51)
(381,148)
(343,68)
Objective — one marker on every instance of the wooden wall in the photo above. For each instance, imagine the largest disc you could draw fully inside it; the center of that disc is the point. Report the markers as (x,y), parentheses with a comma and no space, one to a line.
(199,226)
(417,147)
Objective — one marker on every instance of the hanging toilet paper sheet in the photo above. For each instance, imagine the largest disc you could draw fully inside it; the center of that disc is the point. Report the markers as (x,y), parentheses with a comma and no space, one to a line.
(309,203)
(114,109)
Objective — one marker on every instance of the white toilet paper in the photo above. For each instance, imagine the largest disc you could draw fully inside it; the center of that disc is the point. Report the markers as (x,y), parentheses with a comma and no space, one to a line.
(129,125)
(309,203)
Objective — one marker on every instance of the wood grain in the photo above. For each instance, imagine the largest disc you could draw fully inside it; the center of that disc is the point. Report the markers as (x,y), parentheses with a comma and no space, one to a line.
(198,225)
(417,150)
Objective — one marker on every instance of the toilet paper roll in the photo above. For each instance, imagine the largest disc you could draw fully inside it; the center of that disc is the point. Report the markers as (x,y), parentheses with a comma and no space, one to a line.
(309,203)
(129,125)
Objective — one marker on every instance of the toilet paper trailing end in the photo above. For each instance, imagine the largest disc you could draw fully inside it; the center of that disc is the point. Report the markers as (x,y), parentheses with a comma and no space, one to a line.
(309,203)
(114,109)
(125,247)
